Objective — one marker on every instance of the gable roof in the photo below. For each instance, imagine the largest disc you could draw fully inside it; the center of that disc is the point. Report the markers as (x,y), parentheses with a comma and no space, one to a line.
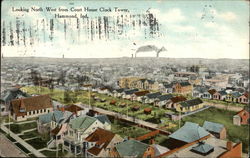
(141,93)
(130,91)
(211,91)
(236,94)
(178,99)
(73,108)
(153,95)
(82,122)
(131,148)
(190,132)
(212,126)
(23,105)
(165,97)
(55,116)
(192,102)
(102,138)
(183,84)
(12,94)
(222,92)
(119,90)
(103,119)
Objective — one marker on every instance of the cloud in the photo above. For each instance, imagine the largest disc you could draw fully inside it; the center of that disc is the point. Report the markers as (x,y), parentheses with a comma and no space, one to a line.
(228,16)
(209,13)
(174,15)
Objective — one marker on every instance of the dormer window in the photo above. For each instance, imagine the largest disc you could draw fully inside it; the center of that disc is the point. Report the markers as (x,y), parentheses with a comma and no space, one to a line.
(22,110)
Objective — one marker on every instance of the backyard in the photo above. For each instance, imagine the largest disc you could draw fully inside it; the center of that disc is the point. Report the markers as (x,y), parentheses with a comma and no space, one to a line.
(129,130)
(234,133)
(70,97)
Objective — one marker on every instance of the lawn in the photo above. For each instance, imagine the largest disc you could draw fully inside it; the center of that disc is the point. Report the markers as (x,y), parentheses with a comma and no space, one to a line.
(53,153)
(83,96)
(18,128)
(234,133)
(30,134)
(126,129)
(38,143)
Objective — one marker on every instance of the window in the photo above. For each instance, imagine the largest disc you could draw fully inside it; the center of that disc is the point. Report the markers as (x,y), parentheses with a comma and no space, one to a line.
(44,110)
(30,113)
(37,111)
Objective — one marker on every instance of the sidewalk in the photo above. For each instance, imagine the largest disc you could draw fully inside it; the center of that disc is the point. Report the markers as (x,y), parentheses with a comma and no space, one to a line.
(21,141)
(9,149)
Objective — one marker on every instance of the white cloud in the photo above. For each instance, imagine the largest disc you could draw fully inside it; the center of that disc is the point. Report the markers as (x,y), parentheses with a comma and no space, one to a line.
(174,15)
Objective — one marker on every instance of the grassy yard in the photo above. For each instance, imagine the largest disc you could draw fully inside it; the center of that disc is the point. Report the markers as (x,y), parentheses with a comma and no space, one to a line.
(53,153)
(18,128)
(83,96)
(234,133)
(38,143)
(30,134)
(224,102)
(125,129)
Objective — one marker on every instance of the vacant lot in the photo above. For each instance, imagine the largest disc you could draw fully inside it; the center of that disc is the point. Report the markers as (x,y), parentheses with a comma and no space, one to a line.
(234,133)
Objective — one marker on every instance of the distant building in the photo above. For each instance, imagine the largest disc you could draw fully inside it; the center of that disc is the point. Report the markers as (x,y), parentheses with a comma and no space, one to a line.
(216,129)
(183,88)
(190,105)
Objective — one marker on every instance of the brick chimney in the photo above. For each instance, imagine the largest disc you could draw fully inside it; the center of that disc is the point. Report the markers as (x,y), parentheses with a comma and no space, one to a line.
(229,145)
(152,141)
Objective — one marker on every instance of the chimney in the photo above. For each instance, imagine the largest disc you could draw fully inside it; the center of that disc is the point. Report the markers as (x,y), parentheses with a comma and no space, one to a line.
(152,141)
(229,145)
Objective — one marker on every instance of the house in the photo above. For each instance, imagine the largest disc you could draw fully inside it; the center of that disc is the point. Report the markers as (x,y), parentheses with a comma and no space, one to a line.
(75,110)
(79,129)
(210,147)
(188,133)
(118,92)
(127,94)
(211,92)
(151,97)
(191,140)
(8,95)
(201,92)
(233,96)
(100,143)
(105,121)
(163,99)
(216,129)
(182,88)
(220,95)
(103,90)
(242,117)
(132,148)
(174,101)
(24,108)
(167,88)
(190,105)
(244,99)
(59,126)
(44,122)
(128,82)
(139,96)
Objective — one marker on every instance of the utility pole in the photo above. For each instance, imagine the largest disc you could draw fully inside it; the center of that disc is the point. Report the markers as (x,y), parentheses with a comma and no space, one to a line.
(56,147)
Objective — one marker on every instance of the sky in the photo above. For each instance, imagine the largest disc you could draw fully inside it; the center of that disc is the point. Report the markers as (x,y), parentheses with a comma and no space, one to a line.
(187,29)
